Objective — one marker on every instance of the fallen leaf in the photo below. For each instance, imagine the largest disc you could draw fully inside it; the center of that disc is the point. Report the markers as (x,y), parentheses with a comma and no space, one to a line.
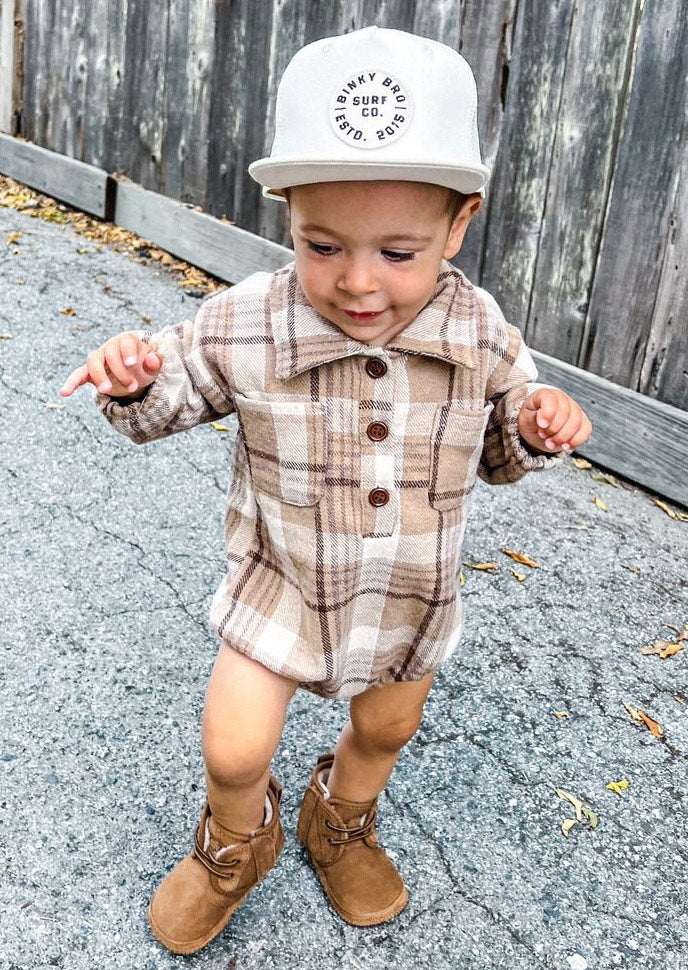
(68,312)
(576,802)
(462,578)
(617,785)
(581,463)
(82,251)
(672,513)
(521,558)
(14,237)
(18,281)
(218,426)
(567,825)
(582,811)
(562,714)
(666,648)
(519,576)
(491,567)
(5,336)
(632,569)
(51,405)
(654,727)
(603,477)
(599,503)
(634,712)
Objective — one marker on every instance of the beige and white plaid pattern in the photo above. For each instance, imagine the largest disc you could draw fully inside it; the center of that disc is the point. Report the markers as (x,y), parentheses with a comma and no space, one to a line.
(322,586)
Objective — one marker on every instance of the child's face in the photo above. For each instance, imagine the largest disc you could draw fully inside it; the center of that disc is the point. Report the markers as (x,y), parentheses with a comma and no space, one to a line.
(368,253)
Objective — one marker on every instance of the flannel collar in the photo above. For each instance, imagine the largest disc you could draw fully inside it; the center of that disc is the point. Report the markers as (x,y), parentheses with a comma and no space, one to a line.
(445,328)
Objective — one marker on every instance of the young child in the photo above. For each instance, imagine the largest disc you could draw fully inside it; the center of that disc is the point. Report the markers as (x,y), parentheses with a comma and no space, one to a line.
(372,382)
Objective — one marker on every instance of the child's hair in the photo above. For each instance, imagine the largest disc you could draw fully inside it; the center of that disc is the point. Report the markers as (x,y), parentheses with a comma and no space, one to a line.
(455,200)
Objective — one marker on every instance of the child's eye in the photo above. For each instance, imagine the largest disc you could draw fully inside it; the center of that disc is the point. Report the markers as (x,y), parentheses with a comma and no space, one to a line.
(322,248)
(396,256)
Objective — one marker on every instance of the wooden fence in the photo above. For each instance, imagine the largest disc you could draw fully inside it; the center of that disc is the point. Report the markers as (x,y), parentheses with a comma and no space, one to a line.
(583,114)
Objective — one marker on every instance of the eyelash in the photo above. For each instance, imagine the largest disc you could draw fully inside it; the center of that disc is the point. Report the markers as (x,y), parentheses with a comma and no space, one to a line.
(393,255)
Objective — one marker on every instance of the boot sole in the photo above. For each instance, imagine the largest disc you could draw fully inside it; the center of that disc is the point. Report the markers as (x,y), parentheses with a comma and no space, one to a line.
(374,919)
(186,948)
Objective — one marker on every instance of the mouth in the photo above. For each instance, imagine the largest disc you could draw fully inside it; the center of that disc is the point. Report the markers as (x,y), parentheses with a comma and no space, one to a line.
(371,315)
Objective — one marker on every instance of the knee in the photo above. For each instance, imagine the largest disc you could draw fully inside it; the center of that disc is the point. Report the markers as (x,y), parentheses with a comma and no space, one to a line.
(236,763)
(385,731)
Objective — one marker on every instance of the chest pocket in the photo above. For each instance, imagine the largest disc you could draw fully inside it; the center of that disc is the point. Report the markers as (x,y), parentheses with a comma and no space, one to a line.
(287,447)
(456,444)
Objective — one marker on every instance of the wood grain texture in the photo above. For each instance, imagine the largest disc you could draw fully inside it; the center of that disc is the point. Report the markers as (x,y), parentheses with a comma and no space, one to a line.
(70,180)
(224,250)
(541,38)
(486,36)
(638,220)
(599,51)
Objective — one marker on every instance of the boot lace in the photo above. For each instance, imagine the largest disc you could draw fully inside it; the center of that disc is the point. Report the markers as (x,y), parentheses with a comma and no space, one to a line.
(354,833)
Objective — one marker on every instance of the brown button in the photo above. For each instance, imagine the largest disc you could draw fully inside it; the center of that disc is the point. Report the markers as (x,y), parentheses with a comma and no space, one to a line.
(375,367)
(378,496)
(377,430)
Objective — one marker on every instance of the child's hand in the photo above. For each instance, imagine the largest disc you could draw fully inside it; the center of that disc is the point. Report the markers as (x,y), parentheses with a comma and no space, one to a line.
(549,419)
(122,366)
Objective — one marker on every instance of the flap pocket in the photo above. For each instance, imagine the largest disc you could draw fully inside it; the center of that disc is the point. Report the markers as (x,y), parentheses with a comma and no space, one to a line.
(456,444)
(286,443)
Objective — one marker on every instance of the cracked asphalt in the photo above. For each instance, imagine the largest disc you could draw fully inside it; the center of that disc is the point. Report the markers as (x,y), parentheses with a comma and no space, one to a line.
(110,555)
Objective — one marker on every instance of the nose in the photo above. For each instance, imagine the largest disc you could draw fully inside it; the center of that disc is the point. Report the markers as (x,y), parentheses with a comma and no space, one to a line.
(358,277)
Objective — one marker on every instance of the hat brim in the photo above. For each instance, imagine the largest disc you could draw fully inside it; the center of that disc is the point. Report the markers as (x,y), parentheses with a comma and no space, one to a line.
(276,176)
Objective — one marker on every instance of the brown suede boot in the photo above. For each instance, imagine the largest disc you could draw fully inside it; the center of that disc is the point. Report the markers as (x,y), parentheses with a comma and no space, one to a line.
(340,837)
(195,901)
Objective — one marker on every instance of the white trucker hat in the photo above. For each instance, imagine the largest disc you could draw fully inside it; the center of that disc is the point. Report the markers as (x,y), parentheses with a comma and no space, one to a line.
(375,104)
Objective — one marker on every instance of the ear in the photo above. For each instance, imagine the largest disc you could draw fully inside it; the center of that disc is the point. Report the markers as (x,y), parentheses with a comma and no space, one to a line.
(470,208)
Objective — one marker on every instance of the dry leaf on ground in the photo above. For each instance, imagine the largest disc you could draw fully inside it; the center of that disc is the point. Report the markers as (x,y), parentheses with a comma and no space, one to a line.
(562,714)
(604,477)
(641,717)
(68,312)
(617,786)
(666,648)
(583,812)
(217,426)
(599,503)
(519,576)
(521,558)
(487,567)
(581,463)
(672,513)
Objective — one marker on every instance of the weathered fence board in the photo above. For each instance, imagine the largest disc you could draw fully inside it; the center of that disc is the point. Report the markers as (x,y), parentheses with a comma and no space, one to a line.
(639,215)
(540,42)
(580,174)
(219,248)
(83,186)
(665,367)
(641,439)
(486,42)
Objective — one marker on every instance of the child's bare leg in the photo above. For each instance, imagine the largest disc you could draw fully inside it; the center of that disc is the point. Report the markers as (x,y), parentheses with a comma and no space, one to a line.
(245,707)
(382,720)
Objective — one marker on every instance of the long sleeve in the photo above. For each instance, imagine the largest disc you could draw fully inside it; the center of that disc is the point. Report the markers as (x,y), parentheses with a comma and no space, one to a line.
(191,388)
(506,457)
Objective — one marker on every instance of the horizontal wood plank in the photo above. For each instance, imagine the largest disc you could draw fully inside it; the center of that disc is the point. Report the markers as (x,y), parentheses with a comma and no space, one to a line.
(219,248)
(67,179)
(642,439)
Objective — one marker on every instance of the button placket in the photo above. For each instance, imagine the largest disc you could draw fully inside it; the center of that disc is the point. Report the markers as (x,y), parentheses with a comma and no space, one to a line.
(377,456)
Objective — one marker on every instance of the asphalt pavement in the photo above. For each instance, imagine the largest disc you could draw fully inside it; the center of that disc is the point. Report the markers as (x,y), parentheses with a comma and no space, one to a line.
(110,555)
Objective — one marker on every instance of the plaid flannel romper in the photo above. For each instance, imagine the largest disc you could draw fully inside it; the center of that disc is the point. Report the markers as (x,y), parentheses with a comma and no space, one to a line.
(353,469)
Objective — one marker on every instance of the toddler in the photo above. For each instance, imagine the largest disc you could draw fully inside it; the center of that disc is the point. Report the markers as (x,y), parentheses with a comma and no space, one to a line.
(372,383)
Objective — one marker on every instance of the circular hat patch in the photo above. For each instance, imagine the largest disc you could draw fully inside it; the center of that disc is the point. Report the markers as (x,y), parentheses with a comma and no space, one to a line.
(370,109)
